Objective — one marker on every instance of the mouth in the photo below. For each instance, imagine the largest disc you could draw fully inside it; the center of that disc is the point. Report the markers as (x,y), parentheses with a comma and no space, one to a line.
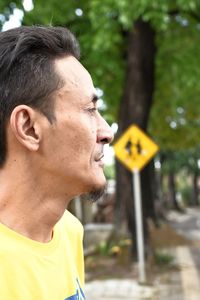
(99,160)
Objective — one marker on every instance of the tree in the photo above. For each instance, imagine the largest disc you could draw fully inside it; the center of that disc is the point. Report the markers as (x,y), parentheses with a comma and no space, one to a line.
(175,116)
(173,162)
(119,39)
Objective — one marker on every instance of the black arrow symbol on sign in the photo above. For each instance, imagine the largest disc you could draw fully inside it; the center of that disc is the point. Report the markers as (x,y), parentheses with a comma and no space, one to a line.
(128,147)
(138,147)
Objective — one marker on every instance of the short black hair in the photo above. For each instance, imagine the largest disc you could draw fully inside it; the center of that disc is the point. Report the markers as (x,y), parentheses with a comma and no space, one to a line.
(27,74)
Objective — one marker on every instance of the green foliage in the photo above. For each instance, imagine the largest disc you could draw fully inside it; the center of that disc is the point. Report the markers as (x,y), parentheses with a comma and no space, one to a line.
(184,186)
(183,159)
(175,117)
(109,171)
(103,248)
(6,6)
(103,29)
(110,248)
(186,192)
(163,259)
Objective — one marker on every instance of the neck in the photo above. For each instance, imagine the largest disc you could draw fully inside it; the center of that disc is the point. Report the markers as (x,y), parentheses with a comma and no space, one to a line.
(33,209)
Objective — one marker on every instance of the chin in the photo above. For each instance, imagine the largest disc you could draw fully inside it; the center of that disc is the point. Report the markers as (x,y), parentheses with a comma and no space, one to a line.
(95,189)
(98,185)
(95,193)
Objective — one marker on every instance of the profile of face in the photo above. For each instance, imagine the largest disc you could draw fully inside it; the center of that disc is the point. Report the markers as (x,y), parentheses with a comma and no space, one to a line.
(74,142)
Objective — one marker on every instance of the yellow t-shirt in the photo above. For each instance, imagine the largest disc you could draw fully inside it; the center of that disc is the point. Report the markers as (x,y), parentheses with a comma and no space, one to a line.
(30,270)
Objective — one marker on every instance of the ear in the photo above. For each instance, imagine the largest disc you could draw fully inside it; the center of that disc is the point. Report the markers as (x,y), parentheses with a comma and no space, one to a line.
(24,125)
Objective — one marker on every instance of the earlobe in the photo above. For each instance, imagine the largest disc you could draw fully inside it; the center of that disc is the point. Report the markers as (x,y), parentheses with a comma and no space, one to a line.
(23,123)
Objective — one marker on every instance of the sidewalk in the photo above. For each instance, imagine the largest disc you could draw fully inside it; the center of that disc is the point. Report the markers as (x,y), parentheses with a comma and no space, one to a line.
(182,283)
(114,289)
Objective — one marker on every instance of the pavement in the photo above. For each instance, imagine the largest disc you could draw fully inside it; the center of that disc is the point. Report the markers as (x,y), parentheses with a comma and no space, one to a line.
(111,289)
(182,283)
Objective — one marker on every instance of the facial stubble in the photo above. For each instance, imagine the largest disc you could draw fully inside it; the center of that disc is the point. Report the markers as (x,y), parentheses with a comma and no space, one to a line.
(95,193)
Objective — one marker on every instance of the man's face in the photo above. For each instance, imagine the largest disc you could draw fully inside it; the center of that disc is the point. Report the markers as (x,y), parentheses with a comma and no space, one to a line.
(75,141)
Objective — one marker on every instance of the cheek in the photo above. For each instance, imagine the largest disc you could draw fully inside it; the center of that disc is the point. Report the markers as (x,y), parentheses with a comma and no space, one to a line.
(75,138)
(79,144)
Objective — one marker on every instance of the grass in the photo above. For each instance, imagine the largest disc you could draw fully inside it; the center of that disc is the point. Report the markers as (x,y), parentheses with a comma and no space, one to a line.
(163,259)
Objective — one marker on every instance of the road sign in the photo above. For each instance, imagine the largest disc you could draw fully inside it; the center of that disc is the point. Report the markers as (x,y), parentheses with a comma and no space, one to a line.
(134,148)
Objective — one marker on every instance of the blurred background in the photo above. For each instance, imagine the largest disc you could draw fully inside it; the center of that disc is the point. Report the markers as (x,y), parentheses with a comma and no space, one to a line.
(144,58)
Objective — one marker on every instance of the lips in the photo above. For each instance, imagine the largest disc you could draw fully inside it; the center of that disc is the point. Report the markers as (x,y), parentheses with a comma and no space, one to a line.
(99,157)
(99,160)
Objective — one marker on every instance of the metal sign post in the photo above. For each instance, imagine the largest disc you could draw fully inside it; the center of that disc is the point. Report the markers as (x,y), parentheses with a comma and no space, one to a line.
(139,226)
(134,149)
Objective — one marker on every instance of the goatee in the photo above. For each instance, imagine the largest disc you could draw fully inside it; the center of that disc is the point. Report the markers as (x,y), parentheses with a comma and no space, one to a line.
(95,193)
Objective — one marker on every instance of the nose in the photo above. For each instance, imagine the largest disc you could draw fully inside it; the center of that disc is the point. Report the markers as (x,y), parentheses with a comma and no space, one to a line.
(104,132)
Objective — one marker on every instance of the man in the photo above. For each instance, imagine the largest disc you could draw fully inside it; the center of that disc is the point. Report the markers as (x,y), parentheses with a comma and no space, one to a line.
(51,150)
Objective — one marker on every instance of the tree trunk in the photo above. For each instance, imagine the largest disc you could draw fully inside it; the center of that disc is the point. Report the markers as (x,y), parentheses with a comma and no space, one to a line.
(195,189)
(135,109)
(172,191)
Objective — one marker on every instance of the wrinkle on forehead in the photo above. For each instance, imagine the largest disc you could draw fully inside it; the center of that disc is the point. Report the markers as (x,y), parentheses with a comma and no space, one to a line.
(78,85)
(73,73)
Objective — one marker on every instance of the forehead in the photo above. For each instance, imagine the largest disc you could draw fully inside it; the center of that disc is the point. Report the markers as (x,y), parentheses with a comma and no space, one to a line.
(75,76)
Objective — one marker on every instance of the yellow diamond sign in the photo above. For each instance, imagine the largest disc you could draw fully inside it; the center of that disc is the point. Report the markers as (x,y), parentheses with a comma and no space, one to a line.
(134,148)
